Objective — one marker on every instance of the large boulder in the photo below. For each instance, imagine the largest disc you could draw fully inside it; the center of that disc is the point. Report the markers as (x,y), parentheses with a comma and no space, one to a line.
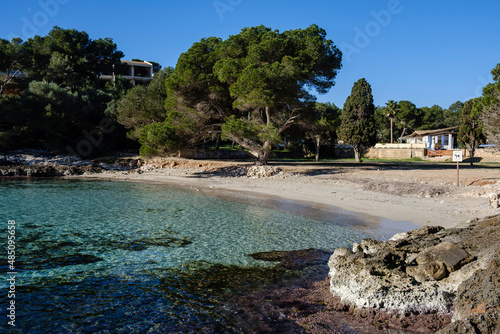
(428,270)
(379,281)
(436,262)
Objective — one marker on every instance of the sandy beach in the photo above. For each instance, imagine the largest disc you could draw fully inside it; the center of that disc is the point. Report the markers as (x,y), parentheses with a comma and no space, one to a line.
(414,193)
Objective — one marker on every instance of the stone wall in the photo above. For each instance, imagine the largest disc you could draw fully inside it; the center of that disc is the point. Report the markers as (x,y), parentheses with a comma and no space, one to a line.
(487,155)
(395,153)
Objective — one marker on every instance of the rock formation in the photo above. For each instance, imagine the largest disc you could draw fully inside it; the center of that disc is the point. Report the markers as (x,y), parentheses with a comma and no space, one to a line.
(428,270)
(46,171)
(36,163)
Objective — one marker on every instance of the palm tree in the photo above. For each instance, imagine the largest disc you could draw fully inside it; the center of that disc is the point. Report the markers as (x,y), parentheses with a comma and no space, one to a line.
(391,108)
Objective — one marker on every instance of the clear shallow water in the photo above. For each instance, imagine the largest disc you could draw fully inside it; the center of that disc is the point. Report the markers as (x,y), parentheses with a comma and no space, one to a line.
(133,258)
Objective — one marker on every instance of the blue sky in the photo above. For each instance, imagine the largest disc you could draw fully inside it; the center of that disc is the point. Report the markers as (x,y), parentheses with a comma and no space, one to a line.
(427,52)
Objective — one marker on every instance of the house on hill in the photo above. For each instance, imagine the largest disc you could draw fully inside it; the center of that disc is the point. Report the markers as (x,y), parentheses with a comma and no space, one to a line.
(139,72)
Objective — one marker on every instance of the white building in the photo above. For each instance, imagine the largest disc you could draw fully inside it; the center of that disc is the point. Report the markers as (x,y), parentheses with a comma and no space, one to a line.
(440,139)
(139,72)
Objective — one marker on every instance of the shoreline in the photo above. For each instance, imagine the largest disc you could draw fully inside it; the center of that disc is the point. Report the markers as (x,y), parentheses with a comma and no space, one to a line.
(415,194)
(382,226)
(385,196)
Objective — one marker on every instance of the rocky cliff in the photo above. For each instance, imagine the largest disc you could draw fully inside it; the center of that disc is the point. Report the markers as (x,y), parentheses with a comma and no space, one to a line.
(428,270)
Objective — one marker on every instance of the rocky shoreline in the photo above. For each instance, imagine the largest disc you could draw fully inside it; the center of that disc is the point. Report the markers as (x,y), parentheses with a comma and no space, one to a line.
(37,163)
(41,164)
(429,280)
(430,270)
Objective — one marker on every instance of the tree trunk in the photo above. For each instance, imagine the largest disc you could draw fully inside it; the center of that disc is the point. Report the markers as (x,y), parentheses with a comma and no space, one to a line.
(402,134)
(317,142)
(472,150)
(268,116)
(392,140)
(357,153)
(98,83)
(262,157)
(260,152)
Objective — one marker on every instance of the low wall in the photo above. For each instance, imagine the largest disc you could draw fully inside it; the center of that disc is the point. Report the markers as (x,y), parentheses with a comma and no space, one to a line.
(487,155)
(395,153)
(413,146)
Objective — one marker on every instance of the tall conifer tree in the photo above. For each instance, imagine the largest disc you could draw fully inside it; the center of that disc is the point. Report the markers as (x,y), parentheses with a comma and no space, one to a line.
(358,119)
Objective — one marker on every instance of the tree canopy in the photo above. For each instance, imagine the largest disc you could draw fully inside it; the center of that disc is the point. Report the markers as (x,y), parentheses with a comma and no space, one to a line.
(407,117)
(256,88)
(489,104)
(58,97)
(142,105)
(13,60)
(66,57)
(252,86)
(321,126)
(471,130)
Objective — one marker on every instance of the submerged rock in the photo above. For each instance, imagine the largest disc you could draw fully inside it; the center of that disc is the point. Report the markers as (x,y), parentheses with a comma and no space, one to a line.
(60,261)
(296,259)
(428,270)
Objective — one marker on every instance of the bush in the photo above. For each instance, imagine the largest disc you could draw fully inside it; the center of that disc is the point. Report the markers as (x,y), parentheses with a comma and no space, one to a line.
(157,138)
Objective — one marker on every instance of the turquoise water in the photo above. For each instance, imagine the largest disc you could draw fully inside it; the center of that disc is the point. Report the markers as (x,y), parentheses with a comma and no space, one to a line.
(125,257)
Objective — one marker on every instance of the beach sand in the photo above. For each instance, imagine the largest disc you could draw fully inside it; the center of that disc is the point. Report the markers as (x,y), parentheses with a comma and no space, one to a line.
(417,193)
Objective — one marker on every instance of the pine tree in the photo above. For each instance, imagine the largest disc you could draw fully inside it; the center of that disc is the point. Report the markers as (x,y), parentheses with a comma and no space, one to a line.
(358,119)
(471,131)
(490,101)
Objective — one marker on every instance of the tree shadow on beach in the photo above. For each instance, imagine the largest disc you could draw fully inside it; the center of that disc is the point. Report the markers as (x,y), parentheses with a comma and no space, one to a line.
(312,168)
(332,168)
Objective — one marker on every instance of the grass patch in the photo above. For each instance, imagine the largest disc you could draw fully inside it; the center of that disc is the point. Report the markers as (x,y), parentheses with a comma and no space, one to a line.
(414,159)
(352,160)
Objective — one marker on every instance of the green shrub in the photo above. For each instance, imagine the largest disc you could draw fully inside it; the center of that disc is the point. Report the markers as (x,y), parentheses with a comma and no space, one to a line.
(157,138)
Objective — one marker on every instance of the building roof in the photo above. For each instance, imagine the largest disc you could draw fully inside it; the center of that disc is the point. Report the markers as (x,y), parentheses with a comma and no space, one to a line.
(438,132)
(143,63)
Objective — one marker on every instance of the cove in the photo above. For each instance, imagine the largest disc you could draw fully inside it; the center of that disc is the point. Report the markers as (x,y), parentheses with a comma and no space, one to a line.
(135,258)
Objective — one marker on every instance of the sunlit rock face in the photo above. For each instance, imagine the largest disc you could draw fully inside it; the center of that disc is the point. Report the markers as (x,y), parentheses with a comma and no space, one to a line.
(427,270)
